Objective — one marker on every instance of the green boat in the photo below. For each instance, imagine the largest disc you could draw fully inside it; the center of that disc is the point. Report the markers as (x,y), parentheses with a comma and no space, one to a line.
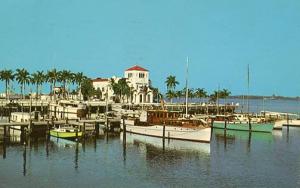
(244,126)
(65,132)
(243,135)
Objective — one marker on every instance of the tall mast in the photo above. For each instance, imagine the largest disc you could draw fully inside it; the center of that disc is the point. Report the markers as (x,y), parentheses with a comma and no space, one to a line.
(218,100)
(248,85)
(186,86)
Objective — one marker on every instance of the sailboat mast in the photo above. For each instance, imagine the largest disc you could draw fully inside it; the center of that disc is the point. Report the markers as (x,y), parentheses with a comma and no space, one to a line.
(186,86)
(248,85)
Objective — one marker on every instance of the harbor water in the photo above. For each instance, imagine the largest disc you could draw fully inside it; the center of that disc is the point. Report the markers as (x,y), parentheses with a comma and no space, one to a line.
(234,159)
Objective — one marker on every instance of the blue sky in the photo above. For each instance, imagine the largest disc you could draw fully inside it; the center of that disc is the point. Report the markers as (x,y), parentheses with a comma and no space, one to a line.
(104,37)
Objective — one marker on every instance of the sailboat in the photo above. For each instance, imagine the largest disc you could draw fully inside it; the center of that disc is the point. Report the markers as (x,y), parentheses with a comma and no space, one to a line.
(243,122)
(172,124)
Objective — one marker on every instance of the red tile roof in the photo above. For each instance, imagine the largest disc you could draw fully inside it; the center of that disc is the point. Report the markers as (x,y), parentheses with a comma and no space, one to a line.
(100,80)
(136,68)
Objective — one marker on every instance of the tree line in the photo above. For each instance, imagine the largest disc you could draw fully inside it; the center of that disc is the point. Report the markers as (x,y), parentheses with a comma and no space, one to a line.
(52,77)
(172,93)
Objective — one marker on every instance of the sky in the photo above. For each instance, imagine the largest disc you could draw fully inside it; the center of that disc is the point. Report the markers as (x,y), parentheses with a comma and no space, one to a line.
(102,38)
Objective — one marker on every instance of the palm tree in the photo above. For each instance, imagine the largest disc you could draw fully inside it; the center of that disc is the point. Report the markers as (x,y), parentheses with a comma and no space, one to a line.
(200,93)
(191,93)
(156,94)
(38,78)
(222,94)
(114,86)
(79,77)
(23,78)
(171,82)
(144,91)
(52,77)
(178,94)
(123,88)
(64,77)
(170,95)
(171,85)
(7,76)
(225,93)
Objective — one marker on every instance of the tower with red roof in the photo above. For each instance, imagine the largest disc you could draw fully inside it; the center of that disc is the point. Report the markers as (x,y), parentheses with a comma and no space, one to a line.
(139,82)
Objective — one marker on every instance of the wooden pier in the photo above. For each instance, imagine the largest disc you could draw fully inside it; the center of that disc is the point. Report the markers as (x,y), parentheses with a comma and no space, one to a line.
(41,128)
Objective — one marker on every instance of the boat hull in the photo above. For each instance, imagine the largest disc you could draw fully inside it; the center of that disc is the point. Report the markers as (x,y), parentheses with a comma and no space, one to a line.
(172,132)
(256,127)
(64,134)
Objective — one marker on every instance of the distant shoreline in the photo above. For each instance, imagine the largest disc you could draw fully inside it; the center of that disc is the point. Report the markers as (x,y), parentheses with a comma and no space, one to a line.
(265,97)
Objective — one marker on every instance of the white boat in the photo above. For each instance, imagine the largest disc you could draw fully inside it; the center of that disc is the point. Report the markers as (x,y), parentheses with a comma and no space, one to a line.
(177,126)
(172,132)
(68,109)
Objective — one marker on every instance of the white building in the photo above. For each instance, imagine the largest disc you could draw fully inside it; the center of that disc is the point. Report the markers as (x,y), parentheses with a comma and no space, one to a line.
(137,79)
(104,85)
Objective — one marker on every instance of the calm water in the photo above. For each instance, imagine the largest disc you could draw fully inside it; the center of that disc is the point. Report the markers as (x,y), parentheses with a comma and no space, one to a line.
(235,160)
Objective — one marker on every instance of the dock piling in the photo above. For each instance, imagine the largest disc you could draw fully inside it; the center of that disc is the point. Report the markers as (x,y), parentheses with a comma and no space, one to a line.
(76,133)
(83,132)
(97,129)
(287,121)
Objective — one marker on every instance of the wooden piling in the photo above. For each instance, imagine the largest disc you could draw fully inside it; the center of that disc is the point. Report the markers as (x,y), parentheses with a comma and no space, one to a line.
(164,130)
(97,129)
(107,124)
(4,134)
(211,128)
(48,127)
(124,131)
(250,125)
(76,130)
(83,132)
(52,121)
(287,121)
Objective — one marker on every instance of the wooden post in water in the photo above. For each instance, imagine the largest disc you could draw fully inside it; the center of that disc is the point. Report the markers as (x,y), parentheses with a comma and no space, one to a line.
(76,130)
(4,134)
(107,122)
(250,125)
(52,121)
(225,128)
(30,126)
(164,132)
(48,128)
(97,128)
(211,128)
(287,121)
(83,129)
(124,130)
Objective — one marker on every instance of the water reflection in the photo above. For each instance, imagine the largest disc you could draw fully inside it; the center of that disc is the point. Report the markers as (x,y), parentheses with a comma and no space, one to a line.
(24,160)
(170,144)
(76,155)
(238,152)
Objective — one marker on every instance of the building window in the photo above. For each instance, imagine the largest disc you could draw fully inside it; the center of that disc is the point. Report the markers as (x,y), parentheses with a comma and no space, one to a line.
(141,75)
(129,75)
